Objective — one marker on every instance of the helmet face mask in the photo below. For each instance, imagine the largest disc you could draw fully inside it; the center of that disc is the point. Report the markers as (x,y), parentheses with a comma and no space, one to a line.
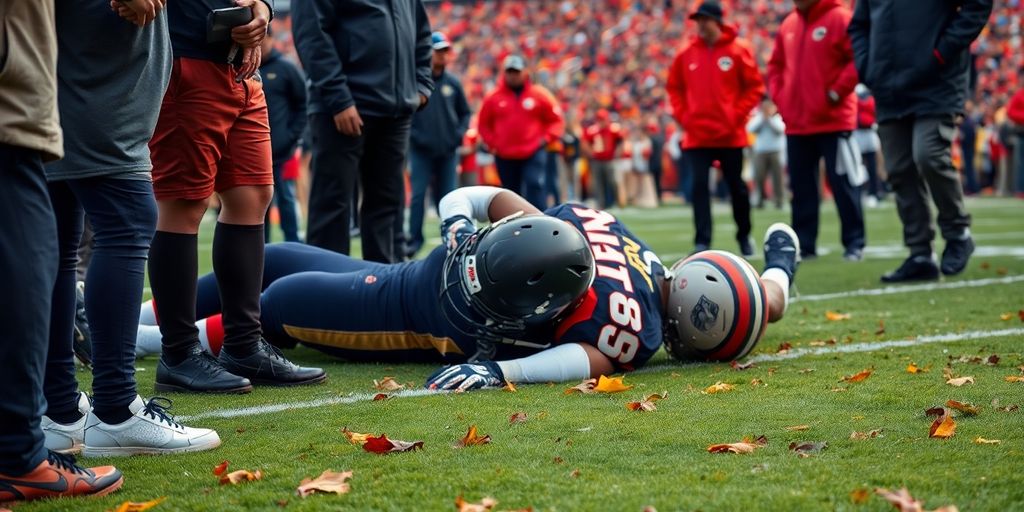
(717,308)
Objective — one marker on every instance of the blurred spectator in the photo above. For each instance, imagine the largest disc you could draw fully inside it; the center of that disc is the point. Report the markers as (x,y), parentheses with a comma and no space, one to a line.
(437,133)
(770,133)
(968,142)
(919,89)
(684,175)
(713,85)
(516,122)
(1015,112)
(812,77)
(602,144)
(285,88)
(656,135)
(368,65)
(866,136)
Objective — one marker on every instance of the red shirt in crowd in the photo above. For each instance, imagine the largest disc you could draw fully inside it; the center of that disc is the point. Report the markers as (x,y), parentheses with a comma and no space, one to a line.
(603,139)
(713,89)
(813,56)
(866,112)
(1015,110)
(515,125)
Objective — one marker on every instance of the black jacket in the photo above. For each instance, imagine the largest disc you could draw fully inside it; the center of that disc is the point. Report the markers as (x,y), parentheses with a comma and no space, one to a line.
(374,54)
(438,128)
(285,89)
(915,55)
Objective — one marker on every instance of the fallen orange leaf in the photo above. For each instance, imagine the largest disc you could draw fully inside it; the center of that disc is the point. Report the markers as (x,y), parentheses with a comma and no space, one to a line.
(1005,316)
(472,439)
(355,437)
(511,388)
(383,445)
(798,428)
(969,409)
(960,381)
(982,440)
(381,396)
(518,417)
(611,385)
(718,387)
(913,368)
(745,446)
(242,475)
(857,377)
(647,404)
(136,506)
(387,384)
(757,382)
(943,427)
(858,496)
(904,502)
(833,316)
(219,469)
(1014,378)
(485,504)
(860,436)
(327,482)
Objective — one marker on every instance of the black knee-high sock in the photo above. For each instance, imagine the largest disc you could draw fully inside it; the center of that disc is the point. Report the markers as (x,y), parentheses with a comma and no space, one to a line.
(173,272)
(238,265)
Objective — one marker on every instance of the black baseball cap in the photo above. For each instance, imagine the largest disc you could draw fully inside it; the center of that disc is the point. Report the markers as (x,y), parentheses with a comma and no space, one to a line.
(711,10)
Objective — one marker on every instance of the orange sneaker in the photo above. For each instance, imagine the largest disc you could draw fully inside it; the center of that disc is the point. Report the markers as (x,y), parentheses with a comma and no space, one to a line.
(59,475)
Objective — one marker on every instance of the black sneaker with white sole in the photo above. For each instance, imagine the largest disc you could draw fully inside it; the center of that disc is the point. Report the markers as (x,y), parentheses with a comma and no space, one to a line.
(267,366)
(781,249)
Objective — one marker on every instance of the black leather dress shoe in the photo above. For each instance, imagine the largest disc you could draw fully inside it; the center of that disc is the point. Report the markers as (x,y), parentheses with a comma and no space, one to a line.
(269,367)
(914,268)
(955,256)
(200,372)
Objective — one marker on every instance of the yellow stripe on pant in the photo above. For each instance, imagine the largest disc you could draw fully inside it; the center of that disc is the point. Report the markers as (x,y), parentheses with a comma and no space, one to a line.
(374,341)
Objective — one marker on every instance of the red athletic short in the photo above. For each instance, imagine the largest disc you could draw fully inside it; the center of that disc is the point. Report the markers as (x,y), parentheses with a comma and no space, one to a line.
(212,134)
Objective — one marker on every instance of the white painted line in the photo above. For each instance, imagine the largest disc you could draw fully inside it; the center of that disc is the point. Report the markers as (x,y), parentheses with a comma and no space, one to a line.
(257,410)
(890,290)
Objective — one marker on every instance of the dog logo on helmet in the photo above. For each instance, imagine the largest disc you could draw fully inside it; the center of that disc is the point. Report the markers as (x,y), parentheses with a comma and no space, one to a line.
(704,314)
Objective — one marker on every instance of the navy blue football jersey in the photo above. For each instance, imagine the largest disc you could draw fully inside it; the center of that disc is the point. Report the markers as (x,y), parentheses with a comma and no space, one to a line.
(621,314)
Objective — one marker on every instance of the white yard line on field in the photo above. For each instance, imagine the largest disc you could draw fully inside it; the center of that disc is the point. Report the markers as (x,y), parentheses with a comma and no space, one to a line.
(258,410)
(890,290)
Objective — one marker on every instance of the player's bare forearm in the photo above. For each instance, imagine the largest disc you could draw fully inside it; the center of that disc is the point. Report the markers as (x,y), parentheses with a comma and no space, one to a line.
(506,203)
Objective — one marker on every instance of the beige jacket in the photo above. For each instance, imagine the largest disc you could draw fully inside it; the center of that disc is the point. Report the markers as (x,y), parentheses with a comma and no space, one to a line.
(28,77)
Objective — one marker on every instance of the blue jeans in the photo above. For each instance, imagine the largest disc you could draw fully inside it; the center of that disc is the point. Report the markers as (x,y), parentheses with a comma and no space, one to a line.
(284,198)
(525,176)
(28,268)
(427,169)
(122,214)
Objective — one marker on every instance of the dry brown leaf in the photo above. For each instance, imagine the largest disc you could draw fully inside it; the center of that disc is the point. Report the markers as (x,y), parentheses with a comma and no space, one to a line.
(960,381)
(947,372)
(517,417)
(1014,378)
(586,387)
(784,347)
(242,475)
(943,427)
(1002,271)
(807,449)
(1006,316)
(485,504)
(511,388)
(935,411)
(647,403)
(858,496)
(718,387)
(745,446)
(965,408)
(771,371)
(985,265)
(1020,314)
(857,377)
(327,482)
(387,384)
(880,331)
(574,473)
(860,436)
(982,440)
(1008,408)
(219,469)
(558,460)
(735,365)
(472,439)
(355,437)
(798,428)
(833,316)
(913,368)
(383,445)
(757,382)
(611,385)
(992,360)
(904,502)
(138,506)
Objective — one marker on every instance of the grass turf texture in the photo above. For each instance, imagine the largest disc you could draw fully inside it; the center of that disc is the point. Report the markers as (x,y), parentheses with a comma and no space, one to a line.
(628,460)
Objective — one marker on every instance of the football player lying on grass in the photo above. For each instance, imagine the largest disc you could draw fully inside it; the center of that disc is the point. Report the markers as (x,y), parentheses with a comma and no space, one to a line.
(564,295)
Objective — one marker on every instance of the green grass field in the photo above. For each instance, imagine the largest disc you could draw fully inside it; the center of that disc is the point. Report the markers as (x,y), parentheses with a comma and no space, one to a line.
(628,460)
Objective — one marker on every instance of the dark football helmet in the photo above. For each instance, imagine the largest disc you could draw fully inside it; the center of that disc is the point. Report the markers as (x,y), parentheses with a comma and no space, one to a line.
(520,272)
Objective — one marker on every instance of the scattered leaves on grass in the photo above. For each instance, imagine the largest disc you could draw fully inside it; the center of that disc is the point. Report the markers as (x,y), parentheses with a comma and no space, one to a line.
(647,404)
(1002,271)
(1014,378)
(472,439)
(966,408)
(387,384)
(1006,316)
(511,388)
(138,506)
(960,381)
(1020,314)
(913,368)
(985,265)
(934,411)
(718,387)
(860,436)
(858,496)
(485,504)
(757,382)
(574,473)
(784,347)
(381,396)
(982,440)
(943,427)
(947,372)
(880,331)
(834,316)
(805,450)
(558,460)
(857,377)
(798,428)
(219,469)
(517,417)
(745,446)
(355,437)
(242,475)
(383,445)
(327,482)
(992,360)
(735,365)
(600,385)
(904,502)
(1008,408)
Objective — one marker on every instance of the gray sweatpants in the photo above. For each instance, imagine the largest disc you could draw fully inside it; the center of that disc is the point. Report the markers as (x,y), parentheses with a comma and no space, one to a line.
(918,158)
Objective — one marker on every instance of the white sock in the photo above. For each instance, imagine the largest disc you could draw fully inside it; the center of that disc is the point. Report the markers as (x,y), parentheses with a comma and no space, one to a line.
(149,341)
(147,314)
(778,276)
(557,364)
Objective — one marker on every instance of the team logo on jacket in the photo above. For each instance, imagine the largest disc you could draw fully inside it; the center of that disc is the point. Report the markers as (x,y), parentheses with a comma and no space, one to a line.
(447,90)
(704,314)
(819,33)
(529,103)
(725,63)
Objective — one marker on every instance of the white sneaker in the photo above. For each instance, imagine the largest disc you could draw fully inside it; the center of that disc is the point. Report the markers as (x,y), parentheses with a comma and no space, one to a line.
(149,431)
(67,438)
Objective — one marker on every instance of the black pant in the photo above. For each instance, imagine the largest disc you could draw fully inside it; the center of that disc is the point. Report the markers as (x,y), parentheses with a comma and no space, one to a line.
(805,152)
(376,158)
(28,269)
(731,161)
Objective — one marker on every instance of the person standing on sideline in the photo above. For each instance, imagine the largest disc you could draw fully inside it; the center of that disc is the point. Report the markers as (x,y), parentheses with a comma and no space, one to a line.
(915,58)
(770,133)
(602,144)
(516,123)
(285,88)
(437,133)
(368,69)
(213,136)
(811,78)
(656,134)
(30,134)
(713,85)
(866,136)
